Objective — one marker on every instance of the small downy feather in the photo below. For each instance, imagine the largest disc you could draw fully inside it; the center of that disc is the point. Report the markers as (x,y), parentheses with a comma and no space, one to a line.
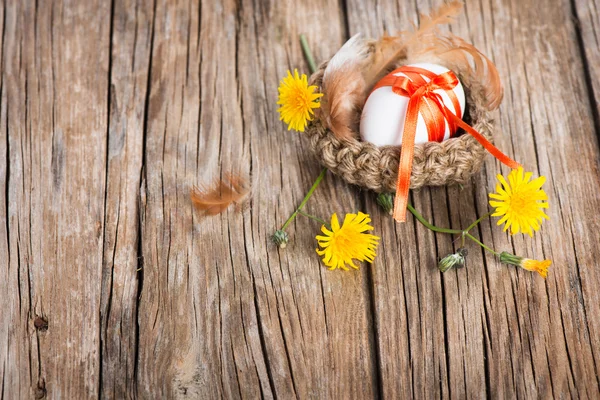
(383,58)
(444,14)
(213,200)
(391,48)
(429,45)
(456,54)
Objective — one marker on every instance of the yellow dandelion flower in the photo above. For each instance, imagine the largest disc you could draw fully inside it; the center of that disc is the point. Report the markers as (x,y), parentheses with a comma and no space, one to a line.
(520,202)
(297,101)
(342,244)
(541,267)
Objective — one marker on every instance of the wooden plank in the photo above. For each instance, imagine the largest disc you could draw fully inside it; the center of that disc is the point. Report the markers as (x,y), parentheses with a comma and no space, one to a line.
(559,137)
(8,279)
(587,17)
(54,122)
(131,34)
(493,330)
(103,111)
(223,312)
(323,316)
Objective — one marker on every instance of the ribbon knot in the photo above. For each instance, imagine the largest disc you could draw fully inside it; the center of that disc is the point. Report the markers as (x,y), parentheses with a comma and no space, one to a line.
(424,99)
(414,85)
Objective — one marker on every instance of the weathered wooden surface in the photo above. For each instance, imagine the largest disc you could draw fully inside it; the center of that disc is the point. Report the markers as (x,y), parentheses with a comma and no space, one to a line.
(110,112)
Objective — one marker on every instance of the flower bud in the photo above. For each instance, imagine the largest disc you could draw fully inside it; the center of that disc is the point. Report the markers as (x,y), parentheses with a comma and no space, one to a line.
(456,260)
(510,259)
(280,238)
(386,201)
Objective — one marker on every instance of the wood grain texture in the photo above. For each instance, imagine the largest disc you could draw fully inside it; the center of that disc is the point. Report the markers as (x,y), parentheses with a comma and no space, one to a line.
(219,299)
(492,330)
(587,20)
(129,64)
(54,102)
(112,286)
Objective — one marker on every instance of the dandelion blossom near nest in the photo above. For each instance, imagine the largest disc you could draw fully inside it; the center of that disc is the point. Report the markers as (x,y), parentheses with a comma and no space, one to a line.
(297,101)
(520,202)
(348,242)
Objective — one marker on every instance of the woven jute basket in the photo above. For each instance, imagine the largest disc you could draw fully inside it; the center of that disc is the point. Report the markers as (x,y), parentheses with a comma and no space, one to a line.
(452,161)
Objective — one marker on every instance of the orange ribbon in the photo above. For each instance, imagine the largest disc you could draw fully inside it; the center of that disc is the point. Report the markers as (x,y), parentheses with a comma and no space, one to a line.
(424,99)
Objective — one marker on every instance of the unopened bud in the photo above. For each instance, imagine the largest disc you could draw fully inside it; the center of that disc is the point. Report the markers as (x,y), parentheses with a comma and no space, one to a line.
(386,201)
(280,238)
(456,260)
(510,259)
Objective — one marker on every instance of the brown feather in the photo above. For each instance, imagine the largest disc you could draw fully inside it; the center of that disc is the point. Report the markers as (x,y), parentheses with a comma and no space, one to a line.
(429,45)
(444,14)
(389,49)
(384,55)
(348,78)
(223,193)
(456,54)
(343,88)
(344,92)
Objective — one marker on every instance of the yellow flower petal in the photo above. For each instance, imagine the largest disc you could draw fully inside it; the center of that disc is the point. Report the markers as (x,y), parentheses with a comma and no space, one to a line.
(348,242)
(335,224)
(519,201)
(541,267)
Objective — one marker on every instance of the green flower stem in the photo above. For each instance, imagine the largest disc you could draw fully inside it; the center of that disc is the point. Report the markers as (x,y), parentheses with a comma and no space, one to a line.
(305,200)
(430,226)
(312,217)
(474,224)
(308,54)
(467,234)
(313,67)
(463,233)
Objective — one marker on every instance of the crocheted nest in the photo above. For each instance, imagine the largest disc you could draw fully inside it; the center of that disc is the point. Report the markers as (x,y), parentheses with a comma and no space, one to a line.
(452,161)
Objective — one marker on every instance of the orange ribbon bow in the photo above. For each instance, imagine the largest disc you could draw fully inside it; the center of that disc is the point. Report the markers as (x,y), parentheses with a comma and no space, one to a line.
(424,99)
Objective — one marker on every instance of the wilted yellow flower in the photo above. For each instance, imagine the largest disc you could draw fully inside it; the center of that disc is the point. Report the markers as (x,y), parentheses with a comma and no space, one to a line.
(541,267)
(342,244)
(520,202)
(297,101)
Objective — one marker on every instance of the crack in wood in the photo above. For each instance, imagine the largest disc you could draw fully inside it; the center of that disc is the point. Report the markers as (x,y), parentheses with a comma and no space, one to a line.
(587,70)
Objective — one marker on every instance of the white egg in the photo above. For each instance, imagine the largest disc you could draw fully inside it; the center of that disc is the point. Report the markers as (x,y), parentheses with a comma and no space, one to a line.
(384,113)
